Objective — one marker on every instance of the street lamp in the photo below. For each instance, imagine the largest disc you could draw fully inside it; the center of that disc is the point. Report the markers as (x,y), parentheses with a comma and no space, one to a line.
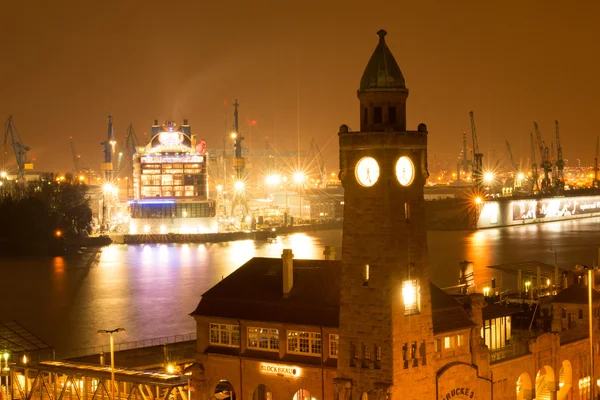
(112,358)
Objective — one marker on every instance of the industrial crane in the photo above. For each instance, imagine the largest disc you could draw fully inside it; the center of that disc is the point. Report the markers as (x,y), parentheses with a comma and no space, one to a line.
(545,161)
(463,161)
(477,166)
(510,156)
(318,158)
(596,183)
(19,149)
(109,149)
(559,180)
(131,141)
(75,156)
(535,187)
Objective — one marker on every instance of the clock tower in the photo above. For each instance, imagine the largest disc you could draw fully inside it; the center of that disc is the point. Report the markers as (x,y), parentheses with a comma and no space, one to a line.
(386,332)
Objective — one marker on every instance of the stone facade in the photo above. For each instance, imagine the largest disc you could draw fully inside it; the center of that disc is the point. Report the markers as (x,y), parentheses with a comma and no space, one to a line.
(398,337)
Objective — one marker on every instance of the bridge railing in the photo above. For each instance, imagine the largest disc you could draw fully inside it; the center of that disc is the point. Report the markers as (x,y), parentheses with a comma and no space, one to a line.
(135,344)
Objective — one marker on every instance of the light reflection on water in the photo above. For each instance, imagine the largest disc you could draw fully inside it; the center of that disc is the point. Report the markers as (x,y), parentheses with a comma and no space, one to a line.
(151,289)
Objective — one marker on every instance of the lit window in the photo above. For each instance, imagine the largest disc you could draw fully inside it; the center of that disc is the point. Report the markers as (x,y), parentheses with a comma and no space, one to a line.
(263,339)
(410,297)
(461,340)
(377,353)
(334,345)
(366,273)
(366,352)
(304,342)
(224,335)
(448,342)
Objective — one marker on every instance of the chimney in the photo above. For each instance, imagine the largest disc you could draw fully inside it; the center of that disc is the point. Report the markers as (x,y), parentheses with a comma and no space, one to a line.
(155,122)
(185,122)
(329,252)
(288,271)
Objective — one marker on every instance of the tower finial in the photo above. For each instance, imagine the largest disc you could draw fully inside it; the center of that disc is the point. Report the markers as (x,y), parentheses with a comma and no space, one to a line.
(381,33)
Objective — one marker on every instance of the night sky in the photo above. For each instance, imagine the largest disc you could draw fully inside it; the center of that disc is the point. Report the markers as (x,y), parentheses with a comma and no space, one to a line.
(297,65)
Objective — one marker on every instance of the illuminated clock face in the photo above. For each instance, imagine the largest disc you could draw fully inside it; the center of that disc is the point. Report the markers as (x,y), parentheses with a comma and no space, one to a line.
(367,171)
(405,171)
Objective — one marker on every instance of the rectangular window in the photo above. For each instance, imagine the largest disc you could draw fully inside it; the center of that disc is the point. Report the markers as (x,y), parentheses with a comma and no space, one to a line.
(377,115)
(392,115)
(263,339)
(334,345)
(224,335)
(461,340)
(366,352)
(377,353)
(365,115)
(304,343)
(411,297)
(580,314)
(564,313)
(447,342)
(438,345)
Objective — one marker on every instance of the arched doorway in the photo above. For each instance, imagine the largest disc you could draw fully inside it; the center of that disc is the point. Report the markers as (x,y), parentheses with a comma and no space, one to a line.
(542,380)
(565,380)
(224,391)
(262,392)
(524,386)
(302,394)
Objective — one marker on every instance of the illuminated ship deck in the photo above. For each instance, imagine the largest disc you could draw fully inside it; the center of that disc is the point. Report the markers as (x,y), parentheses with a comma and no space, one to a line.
(171,184)
(512,212)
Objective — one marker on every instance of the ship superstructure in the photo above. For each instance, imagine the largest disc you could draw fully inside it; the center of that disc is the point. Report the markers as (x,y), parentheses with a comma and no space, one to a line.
(170,184)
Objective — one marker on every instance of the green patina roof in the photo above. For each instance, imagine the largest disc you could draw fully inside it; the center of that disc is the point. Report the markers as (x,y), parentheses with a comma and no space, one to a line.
(382,71)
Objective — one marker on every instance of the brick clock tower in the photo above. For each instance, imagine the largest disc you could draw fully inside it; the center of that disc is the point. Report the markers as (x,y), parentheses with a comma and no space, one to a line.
(386,332)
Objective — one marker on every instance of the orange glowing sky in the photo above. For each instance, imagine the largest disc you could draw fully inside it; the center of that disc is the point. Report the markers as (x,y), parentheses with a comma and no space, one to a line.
(295,67)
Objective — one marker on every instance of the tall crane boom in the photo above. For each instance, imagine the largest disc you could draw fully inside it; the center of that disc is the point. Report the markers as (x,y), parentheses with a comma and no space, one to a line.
(75,155)
(477,166)
(510,155)
(131,141)
(559,181)
(108,148)
(318,158)
(596,183)
(545,161)
(19,149)
(535,187)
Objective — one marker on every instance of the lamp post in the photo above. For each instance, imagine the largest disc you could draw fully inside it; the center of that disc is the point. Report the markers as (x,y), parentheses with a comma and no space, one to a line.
(112,358)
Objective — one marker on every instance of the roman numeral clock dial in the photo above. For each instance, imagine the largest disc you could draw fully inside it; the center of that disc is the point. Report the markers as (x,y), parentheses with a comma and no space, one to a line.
(367,171)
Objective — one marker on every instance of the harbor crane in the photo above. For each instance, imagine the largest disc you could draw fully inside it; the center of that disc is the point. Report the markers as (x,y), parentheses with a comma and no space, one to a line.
(109,149)
(314,155)
(510,156)
(596,183)
(76,156)
(131,142)
(535,186)
(559,181)
(477,166)
(463,161)
(544,161)
(19,149)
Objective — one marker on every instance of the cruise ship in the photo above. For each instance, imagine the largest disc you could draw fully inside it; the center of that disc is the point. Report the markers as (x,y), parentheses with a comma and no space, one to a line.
(170,184)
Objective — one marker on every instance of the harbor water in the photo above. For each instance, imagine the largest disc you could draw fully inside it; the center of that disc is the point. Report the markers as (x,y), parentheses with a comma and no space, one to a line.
(150,289)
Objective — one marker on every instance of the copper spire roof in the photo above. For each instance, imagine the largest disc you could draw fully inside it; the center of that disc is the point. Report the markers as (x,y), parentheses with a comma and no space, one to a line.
(382,71)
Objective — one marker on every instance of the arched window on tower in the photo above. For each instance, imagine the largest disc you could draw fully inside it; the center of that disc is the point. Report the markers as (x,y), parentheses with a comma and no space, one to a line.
(392,115)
